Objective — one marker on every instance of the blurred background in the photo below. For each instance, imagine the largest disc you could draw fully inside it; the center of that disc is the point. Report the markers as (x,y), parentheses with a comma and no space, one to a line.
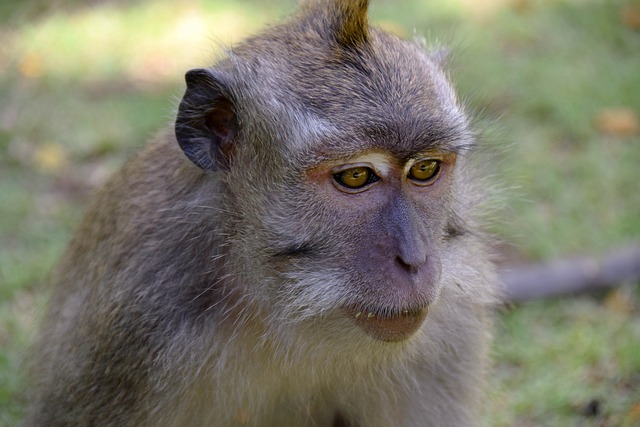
(555,87)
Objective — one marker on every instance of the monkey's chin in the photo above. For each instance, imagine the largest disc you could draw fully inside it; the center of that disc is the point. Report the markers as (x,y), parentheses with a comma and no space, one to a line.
(389,328)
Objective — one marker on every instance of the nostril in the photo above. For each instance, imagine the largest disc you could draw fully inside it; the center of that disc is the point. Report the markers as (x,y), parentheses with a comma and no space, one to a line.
(405,266)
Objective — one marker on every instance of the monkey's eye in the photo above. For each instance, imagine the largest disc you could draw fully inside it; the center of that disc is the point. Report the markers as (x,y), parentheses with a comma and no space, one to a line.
(355,178)
(425,171)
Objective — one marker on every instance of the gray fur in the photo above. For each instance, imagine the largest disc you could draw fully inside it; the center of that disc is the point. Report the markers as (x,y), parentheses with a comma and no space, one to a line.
(201,292)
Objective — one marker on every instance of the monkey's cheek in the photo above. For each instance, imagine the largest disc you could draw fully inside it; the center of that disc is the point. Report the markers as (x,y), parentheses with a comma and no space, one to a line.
(394,328)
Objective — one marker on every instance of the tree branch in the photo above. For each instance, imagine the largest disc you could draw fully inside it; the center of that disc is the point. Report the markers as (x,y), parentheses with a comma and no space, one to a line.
(571,276)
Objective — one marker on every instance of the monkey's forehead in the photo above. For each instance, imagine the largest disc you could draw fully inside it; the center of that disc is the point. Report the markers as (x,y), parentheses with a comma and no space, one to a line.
(386,71)
(306,92)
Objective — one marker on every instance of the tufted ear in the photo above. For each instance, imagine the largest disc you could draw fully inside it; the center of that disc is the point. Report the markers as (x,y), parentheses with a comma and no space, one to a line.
(206,126)
(346,20)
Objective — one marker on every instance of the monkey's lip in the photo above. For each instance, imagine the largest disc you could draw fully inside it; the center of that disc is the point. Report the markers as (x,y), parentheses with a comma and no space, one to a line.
(397,326)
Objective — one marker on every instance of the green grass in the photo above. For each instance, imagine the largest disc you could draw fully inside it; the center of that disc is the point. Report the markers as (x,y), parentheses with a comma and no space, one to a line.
(553,358)
(83,87)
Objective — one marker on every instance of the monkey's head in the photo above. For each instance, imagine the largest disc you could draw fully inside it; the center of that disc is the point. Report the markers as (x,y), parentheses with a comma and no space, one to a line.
(339,150)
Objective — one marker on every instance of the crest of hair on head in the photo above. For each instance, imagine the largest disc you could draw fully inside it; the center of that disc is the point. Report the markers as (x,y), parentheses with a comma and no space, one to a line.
(346,19)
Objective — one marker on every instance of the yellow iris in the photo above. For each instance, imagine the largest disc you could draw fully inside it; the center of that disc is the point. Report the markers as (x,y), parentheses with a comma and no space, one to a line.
(356,177)
(424,170)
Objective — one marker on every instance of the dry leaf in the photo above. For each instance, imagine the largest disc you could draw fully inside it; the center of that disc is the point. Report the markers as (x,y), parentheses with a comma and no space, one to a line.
(633,416)
(522,7)
(31,65)
(617,122)
(50,158)
(619,302)
(241,416)
(630,16)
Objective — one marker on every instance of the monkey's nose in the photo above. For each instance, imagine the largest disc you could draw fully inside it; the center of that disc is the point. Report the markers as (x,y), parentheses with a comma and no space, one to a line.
(409,266)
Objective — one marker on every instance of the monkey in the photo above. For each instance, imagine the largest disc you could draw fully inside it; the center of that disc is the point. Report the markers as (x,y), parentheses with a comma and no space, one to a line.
(305,247)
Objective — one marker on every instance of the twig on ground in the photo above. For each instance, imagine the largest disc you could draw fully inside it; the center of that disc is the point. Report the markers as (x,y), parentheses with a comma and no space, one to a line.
(571,276)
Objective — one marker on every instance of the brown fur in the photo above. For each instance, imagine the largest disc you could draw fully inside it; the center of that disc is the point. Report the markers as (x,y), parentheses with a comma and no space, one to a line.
(207,283)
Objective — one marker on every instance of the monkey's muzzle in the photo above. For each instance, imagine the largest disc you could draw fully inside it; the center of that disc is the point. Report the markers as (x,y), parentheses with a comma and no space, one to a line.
(393,327)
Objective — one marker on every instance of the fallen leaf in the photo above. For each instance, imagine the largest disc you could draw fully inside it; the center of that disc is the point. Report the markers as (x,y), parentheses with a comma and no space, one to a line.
(619,301)
(630,16)
(617,122)
(522,7)
(633,416)
(241,416)
(31,65)
(50,158)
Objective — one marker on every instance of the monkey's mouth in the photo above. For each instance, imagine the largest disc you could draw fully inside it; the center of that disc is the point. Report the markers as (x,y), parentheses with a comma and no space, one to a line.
(388,326)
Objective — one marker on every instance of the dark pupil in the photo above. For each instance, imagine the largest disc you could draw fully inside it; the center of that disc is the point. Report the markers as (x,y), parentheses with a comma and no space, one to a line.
(355,177)
(424,170)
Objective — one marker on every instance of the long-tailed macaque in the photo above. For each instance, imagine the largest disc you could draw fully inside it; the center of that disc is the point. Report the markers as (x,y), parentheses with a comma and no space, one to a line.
(304,249)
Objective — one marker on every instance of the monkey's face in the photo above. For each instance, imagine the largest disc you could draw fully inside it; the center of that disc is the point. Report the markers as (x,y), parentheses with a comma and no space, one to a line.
(360,219)
(366,207)
(389,253)
(358,230)
(340,175)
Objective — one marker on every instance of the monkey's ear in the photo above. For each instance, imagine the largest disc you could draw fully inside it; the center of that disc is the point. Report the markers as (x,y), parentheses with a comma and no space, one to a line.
(207,126)
(350,22)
